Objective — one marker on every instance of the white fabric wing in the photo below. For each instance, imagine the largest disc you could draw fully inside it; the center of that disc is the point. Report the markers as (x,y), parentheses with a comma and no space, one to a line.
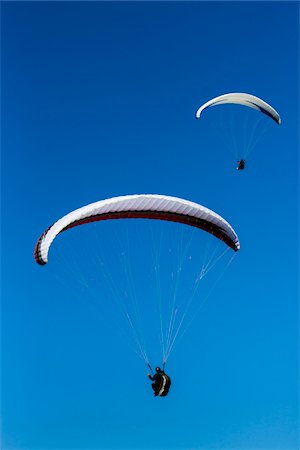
(242,99)
(149,206)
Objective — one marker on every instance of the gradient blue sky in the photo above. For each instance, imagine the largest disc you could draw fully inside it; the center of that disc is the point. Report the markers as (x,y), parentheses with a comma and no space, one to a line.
(98,99)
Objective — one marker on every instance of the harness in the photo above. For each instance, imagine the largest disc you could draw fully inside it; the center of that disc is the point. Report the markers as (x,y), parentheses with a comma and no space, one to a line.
(165,385)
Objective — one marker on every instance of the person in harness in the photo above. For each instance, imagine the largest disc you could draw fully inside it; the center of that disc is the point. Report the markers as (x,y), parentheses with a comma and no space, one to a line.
(162,382)
(241,164)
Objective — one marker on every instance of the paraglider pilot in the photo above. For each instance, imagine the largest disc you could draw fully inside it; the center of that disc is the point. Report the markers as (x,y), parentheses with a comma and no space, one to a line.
(162,382)
(241,164)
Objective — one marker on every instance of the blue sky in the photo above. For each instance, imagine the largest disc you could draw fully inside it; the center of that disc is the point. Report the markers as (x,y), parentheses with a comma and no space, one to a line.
(98,100)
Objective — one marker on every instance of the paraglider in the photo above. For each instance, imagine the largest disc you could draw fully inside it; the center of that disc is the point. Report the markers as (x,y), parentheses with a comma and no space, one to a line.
(162,382)
(241,164)
(239,133)
(154,207)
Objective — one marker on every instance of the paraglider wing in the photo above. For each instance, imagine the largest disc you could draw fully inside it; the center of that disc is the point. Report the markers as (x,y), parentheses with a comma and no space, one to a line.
(144,206)
(242,99)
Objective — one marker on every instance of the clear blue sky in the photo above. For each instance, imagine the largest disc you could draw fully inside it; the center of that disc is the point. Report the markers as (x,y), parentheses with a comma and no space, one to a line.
(98,100)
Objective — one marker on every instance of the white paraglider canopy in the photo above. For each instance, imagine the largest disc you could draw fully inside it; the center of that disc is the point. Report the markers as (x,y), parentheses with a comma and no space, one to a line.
(145,206)
(242,99)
